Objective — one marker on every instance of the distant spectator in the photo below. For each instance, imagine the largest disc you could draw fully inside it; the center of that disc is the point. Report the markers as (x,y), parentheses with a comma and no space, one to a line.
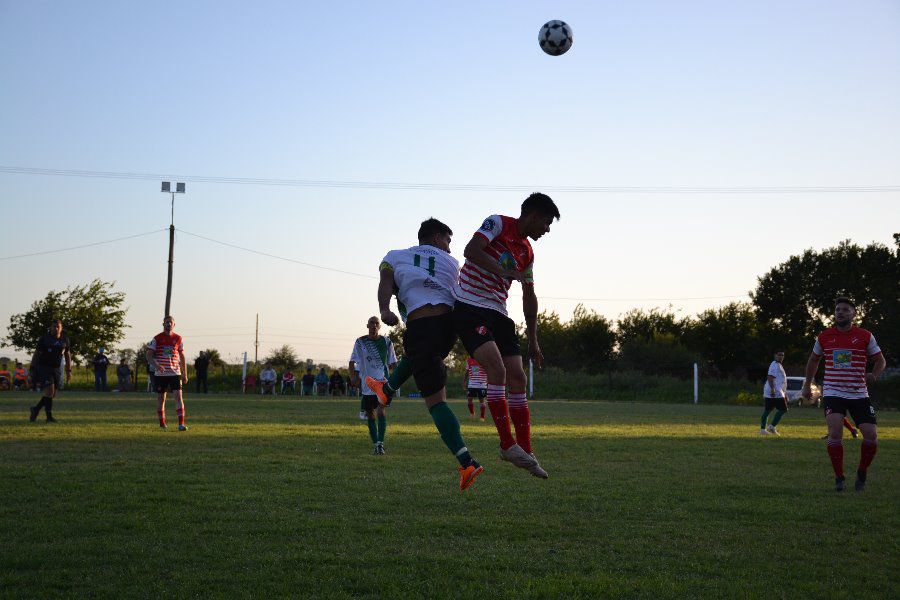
(267,379)
(5,378)
(288,381)
(201,369)
(20,377)
(322,382)
(123,374)
(307,383)
(336,385)
(101,363)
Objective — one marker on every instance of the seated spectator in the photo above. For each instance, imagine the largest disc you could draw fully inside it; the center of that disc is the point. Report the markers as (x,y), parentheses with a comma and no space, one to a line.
(287,381)
(267,379)
(5,378)
(336,385)
(322,382)
(123,374)
(20,377)
(307,383)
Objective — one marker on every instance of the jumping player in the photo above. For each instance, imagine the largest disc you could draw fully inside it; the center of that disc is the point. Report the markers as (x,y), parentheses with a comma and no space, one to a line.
(50,351)
(498,254)
(423,277)
(165,353)
(373,357)
(475,384)
(846,349)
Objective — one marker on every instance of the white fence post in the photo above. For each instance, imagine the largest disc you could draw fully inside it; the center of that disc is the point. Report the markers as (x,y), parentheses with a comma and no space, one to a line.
(244,373)
(696,377)
(530,379)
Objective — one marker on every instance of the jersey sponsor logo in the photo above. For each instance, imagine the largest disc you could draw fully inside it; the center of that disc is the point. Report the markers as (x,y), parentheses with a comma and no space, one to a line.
(488,225)
(431,284)
(507,261)
(842,359)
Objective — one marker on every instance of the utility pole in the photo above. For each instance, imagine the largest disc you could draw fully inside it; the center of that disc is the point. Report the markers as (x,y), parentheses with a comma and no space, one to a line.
(256,343)
(179,189)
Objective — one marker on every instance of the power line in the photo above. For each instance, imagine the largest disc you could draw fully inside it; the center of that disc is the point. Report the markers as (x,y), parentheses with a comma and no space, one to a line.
(449,187)
(129,237)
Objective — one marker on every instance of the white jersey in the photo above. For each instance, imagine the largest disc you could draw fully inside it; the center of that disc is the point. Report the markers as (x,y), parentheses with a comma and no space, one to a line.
(776,371)
(372,359)
(424,275)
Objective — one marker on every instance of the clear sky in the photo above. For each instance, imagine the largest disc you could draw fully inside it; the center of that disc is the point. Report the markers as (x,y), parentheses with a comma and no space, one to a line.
(652,94)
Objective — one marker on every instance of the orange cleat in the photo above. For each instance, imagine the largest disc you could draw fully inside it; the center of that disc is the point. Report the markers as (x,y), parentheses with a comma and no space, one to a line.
(468,474)
(378,387)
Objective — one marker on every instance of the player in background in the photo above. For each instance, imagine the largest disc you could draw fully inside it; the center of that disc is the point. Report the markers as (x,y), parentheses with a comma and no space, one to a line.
(165,353)
(372,358)
(475,384)
(49,352)
(846,349)
(849,427)
(423,277)
(498,254)
(774,395)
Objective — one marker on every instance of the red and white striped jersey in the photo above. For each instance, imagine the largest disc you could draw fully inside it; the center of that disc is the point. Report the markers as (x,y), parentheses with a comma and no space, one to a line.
(167,351)
(511,250)
(846,353)
(477,375)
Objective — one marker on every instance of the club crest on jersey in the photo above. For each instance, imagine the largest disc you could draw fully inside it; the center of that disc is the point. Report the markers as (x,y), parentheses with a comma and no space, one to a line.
(481,330)
(488,225)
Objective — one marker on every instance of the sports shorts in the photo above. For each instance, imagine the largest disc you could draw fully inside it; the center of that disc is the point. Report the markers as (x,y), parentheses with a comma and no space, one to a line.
(369,402)
(480,393)
(46,376)
(861,409)
(476,326)
(167,383)
(426,343)
(776,403)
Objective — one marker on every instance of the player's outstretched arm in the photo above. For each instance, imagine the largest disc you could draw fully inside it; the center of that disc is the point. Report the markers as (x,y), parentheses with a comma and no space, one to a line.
(475,252)
(385,291)
(530,308)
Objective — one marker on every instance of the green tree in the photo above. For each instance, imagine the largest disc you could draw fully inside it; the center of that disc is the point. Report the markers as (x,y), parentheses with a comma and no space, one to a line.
(92,317)
(663,354)
(647,324)
(284,357)
(584,343)
(728,338)
(215,359)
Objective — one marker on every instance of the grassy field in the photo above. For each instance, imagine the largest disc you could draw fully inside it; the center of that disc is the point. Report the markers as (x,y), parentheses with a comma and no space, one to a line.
(280,497)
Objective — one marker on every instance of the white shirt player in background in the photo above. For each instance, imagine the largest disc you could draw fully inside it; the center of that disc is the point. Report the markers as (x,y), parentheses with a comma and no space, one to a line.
(372,359)
(774,396)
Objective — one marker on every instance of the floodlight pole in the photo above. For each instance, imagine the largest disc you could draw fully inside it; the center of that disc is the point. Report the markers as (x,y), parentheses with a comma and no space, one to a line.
(179,189)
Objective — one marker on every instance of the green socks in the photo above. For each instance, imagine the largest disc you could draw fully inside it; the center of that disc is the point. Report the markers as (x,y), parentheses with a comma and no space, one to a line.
(402,372)
(778,415)
(765,417)
(382,426)
(448,426)
(373,432)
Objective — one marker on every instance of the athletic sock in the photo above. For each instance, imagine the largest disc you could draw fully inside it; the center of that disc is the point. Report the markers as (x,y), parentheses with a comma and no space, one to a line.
(471,408)
(764,420)
(778,415)
(521,418)
(373,430)
(382,427)
(496,400)
(836,453)
(362,404)
(42,403)
(867,451)
(180,413)
(402,372)
(49,408)
(482,409)
(848,425)
(448,426)
(162,417)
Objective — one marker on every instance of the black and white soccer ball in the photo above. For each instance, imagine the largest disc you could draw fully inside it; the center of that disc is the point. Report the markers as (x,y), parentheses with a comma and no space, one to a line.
(555,37)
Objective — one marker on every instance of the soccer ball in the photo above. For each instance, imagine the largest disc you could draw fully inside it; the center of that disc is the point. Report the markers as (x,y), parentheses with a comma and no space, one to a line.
(555,37)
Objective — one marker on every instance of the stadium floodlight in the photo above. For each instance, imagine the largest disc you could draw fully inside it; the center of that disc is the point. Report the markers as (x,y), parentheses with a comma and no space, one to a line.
(179,189)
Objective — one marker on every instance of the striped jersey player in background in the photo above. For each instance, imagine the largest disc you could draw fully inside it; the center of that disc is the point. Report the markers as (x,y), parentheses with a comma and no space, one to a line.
(498,254)
(847,348)
(475,384)
(165,353)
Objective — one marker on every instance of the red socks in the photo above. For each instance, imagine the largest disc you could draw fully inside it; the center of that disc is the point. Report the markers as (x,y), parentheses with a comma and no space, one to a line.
(180,412)
(162,417)
(836,453)
(867,452)
(496,399)
(471,408)
(521,418)
(482,410)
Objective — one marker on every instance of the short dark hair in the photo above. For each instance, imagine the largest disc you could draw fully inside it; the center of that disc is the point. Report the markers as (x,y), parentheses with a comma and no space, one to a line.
(432,227)
(540,203)
(844,300)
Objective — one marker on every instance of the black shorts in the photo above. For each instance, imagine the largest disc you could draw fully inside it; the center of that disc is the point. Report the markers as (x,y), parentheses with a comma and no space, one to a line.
(479,393)
(168,383)
(861,409)
(46,376)
(426,343)
(776,403)
(369,402)
(476,326)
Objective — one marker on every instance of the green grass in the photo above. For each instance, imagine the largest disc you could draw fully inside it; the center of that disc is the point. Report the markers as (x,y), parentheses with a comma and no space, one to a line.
(280,497)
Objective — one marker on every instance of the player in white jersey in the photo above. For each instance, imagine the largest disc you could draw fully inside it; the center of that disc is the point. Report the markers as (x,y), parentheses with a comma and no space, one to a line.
(422,277)
(372,358)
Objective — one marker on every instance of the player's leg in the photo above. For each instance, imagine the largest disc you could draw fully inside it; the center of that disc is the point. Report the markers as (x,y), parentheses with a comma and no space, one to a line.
(863,413)
(382,427)
(161,406)
(764,420)
(780,408)
(178,397)
(470,400)
(849,427)
(519,413)
(488,355)
(482,394)
(834,418)
(50,393)
(46,394)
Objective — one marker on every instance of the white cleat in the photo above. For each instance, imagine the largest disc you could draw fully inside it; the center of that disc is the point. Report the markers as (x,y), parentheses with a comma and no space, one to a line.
(763,432)
(772,431)
(518,457)
(536,470)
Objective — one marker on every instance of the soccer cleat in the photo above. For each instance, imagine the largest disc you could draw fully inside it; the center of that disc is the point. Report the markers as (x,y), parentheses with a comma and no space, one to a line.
(163,426)
(763,432)
(182,428)
(854,433)
(468,474)
(381,451)
(362,415)
(825,437)
(536,470)
(375,450)
(51,420)
(771,429)
(839,484)
(33,413)
(384,398)
(518,457)
(860,484)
